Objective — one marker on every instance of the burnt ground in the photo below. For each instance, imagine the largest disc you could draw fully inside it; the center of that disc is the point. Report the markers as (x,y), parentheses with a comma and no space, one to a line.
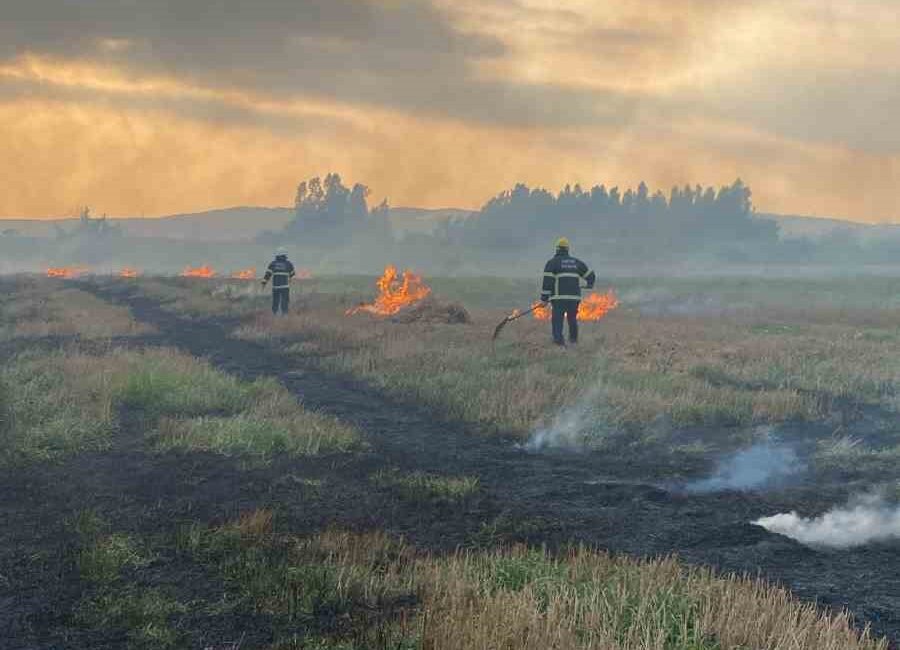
(611,500)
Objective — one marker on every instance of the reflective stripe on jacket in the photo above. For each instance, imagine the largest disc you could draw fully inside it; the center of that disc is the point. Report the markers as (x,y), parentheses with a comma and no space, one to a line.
(563,275)
(280,271)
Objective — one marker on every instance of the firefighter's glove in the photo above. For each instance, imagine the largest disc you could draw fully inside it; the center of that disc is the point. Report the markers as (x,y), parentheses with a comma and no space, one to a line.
(545,299)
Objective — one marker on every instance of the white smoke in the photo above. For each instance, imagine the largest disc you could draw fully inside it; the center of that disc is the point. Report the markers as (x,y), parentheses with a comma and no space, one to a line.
(865,519)
(575,426)
(762,464)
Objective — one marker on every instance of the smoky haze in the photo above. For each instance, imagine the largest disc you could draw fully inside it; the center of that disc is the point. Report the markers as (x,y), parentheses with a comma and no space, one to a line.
(339,227)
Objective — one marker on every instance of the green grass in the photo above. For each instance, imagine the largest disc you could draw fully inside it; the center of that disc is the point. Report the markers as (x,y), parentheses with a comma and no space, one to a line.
(170,384)
(258,436)
(60,404)
(424,487)
(104,558)
(146,615)
(46,414)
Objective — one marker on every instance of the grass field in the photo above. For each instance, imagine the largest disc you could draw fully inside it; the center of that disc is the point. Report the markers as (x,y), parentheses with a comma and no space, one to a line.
(37,307)
(677,354)
(378,592)
(254,550)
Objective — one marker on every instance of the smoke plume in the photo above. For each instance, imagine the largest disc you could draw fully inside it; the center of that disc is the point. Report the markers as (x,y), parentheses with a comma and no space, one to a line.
(761,465)
(865,519)
(575,425)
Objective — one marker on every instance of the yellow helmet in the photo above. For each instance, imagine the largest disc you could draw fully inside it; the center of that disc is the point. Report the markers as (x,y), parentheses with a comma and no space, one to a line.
(562,242)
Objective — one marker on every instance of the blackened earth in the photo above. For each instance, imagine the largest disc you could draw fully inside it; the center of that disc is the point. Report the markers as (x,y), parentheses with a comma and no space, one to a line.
(622,501)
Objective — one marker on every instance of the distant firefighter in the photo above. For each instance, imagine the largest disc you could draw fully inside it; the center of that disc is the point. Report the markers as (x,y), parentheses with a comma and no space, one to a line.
(562,288)
(280,271)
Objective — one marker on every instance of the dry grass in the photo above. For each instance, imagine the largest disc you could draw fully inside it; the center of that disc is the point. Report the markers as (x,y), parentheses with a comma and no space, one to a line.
(739,370)
(514,598)
(204,298)
(40,307)
(525,599)
(731,352)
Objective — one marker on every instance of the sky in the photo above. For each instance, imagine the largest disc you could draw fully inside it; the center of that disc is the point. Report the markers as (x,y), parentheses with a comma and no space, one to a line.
(152,107)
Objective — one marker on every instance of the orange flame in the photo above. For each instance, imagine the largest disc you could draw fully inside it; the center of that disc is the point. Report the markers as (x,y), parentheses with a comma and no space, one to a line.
(594,307)
(204,271)
(395,293)
(304,274)
(129,272)
(67,272)
(246,274)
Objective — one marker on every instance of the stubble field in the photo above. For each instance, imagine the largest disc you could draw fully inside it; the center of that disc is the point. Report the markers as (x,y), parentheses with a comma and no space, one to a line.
(185,471)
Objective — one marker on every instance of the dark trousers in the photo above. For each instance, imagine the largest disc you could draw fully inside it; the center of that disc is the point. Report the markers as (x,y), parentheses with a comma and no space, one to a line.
(568,310)
(281,298)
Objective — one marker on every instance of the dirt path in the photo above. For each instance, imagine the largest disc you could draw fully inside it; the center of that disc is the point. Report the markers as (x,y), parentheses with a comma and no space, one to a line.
(552,498)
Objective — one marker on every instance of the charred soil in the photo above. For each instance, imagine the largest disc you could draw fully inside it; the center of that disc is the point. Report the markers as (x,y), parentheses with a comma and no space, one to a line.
(616,501)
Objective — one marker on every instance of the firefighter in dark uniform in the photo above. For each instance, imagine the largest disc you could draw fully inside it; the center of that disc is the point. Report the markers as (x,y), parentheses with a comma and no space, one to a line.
(280,271)
(562,288)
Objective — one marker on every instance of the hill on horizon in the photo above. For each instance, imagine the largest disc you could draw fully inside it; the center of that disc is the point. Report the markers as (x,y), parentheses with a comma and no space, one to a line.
(235,224)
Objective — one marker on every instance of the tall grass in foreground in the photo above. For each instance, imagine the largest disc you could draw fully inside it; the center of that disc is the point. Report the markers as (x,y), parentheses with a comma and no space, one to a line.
(63,403)
(379,593)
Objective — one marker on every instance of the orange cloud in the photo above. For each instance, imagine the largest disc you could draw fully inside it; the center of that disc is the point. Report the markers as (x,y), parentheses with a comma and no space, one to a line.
(61,155)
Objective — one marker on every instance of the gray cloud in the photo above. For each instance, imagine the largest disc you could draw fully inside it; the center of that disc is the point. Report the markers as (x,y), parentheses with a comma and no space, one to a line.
(400,54)
(824,106)
(408,54)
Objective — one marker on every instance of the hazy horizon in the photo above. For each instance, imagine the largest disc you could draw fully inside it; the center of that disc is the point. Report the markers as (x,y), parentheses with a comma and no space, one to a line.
(72,215)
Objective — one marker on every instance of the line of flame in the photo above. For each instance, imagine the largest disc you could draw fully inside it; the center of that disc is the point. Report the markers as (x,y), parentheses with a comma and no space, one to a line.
(67,272)
(246,274)
(395,292)
(593,307)
(204,271)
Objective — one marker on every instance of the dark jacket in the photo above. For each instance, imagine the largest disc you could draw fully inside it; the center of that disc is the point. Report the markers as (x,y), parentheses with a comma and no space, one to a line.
(280,271)
(563,275)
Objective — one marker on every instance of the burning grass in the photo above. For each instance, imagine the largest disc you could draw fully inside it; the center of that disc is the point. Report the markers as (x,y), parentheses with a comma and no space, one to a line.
(65,403)
(36,308)
(395,291)
(593,307)
(246,274)
(129,272)
(67,272)
(204,271)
